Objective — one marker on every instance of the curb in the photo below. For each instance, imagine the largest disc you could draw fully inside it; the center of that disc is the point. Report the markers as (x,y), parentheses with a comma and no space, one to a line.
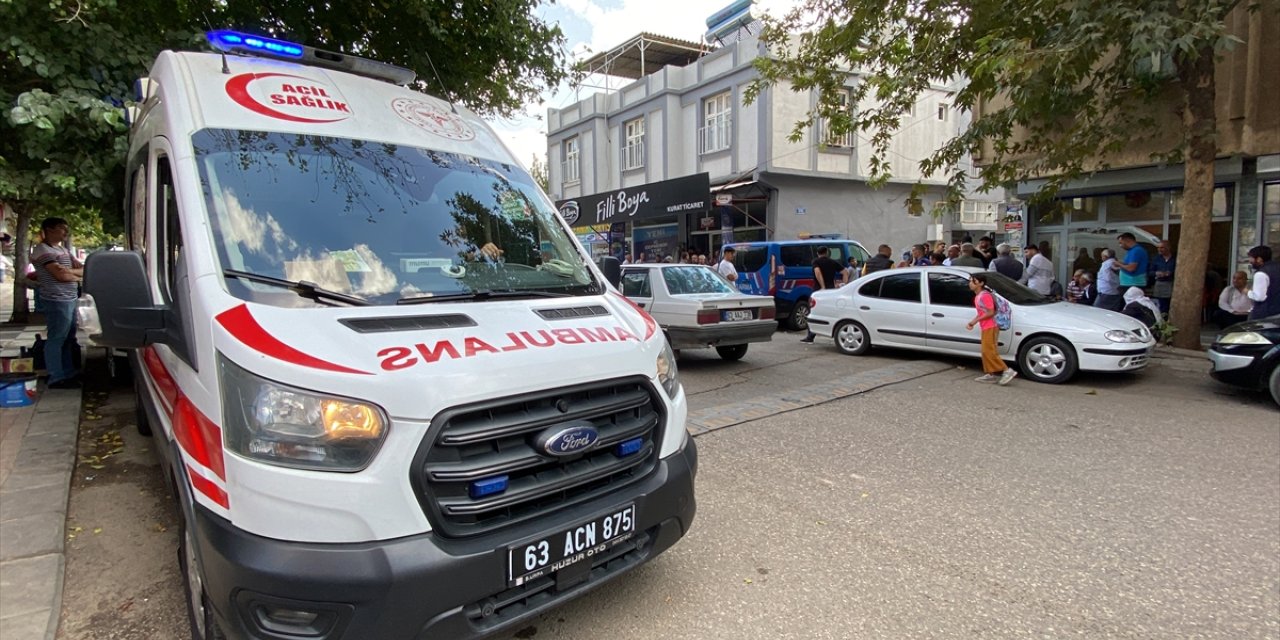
(711,419)
(33,513)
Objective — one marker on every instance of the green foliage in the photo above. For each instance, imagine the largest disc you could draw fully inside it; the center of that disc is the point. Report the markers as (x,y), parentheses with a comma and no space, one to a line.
(1061,84)
(69,67)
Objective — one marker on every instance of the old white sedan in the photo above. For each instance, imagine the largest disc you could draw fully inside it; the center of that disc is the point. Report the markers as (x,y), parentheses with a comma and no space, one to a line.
(928,308)
(697,308)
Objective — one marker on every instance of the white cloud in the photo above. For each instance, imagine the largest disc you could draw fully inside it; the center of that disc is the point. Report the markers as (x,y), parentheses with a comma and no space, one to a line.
(592,26)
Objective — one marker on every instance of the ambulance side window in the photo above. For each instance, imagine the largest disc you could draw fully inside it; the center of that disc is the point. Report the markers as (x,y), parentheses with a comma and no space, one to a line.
(137,221)
(167,223)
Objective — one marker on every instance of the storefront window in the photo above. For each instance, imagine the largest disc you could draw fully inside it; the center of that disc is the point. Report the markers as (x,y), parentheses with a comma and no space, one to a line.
(1136,205)
(1047,213)
(1270,216)
(1221,202)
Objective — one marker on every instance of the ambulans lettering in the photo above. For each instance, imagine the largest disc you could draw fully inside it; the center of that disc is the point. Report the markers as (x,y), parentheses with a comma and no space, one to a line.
(403,357)
(288,97)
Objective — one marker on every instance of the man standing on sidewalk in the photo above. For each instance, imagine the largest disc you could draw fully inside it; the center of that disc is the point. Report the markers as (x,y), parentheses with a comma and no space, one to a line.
(59,276)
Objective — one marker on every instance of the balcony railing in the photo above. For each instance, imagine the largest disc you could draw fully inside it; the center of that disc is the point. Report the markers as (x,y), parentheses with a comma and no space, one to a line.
(633,156)
(569,169)
(976,212)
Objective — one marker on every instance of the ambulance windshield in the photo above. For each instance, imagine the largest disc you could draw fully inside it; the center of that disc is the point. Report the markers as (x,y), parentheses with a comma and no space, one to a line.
(379,221)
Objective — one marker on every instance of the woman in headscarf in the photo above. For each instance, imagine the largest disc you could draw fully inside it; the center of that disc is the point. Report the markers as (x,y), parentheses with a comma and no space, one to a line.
(1138,305)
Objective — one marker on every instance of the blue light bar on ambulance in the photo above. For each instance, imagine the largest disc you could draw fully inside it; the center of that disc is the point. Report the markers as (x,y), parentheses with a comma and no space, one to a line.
(227,41)
(235,41)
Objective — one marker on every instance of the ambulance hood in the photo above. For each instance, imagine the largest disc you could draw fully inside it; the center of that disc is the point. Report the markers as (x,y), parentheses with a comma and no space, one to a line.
(414,360)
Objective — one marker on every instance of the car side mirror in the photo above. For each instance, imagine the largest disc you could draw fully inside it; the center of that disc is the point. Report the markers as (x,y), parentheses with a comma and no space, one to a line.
(118,286)
(612,270)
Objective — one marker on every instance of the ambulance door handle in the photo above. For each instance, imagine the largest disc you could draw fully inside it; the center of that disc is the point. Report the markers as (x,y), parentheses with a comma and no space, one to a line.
(938,315)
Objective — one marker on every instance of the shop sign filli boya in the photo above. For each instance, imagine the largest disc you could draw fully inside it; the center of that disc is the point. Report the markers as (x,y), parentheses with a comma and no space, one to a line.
(689,194)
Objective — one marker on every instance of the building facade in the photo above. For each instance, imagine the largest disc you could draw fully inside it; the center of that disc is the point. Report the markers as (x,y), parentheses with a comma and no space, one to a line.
(689,117)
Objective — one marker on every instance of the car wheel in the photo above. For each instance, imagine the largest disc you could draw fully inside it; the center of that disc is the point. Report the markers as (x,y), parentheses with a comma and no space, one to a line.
(1275,384)
(799,318)
(1047,359)
(732,352)
(203,624)
(852,338)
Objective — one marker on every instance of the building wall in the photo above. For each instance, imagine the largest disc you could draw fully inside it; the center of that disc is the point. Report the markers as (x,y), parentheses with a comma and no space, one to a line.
(672,102)
(870,216)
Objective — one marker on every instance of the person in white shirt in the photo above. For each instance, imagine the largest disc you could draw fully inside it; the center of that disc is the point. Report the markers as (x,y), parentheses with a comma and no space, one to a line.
(1234,304)
(1039,272)
(726,268)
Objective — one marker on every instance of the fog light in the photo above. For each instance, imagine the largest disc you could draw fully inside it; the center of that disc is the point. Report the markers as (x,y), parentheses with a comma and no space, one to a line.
(295,623)
(1124,362)
(291,617)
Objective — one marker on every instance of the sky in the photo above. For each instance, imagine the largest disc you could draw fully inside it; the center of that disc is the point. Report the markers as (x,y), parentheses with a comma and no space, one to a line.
(593,26)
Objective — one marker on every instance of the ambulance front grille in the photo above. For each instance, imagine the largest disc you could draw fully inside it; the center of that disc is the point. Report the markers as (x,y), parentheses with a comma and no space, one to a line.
(484,441)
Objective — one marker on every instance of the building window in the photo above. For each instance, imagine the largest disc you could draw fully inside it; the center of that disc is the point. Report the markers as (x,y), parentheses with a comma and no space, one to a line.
(633,152)
(943,113)
(844,140)
(1270,215)
(570,164)
(717,124)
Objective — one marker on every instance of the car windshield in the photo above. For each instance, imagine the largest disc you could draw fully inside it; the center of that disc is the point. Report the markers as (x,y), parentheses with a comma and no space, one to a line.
(694,279)
(1014,292)
(379,221)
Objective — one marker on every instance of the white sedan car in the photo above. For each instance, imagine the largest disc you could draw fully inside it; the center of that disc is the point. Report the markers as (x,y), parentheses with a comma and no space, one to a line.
(697,308)
(927,308)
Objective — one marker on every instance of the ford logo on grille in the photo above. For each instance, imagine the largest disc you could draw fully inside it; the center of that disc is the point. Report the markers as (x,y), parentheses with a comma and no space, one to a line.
(564,440)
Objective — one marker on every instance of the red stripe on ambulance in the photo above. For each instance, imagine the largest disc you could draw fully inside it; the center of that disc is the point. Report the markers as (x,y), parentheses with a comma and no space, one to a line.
(242,326)
(208,488)
(196,434)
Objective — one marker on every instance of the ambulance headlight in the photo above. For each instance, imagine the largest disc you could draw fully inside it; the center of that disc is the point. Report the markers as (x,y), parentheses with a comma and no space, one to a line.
(291,427)
(668,374)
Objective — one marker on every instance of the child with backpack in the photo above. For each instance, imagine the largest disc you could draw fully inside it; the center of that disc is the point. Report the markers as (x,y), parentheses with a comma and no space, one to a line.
(993,315)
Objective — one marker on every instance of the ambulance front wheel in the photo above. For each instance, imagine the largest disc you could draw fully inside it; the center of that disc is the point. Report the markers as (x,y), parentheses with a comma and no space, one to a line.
(204,626)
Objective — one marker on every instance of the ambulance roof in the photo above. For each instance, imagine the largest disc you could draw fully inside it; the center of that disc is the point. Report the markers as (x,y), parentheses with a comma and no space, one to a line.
(262,94)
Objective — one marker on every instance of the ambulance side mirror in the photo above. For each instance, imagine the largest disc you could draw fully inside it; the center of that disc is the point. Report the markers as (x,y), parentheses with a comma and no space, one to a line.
(121,293)
(612,270)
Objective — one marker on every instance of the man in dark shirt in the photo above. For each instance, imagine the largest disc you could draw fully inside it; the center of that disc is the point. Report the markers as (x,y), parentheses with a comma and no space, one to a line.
(825,271)
(881,261)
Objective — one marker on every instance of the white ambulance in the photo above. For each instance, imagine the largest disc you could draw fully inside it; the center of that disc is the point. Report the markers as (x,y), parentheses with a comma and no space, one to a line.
(394,397)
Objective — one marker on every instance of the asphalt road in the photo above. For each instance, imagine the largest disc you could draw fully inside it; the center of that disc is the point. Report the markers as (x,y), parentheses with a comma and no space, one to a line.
(1137,506)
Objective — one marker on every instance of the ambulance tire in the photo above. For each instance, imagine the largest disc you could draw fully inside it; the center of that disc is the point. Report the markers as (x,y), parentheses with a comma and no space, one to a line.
(204,626)
(140,417)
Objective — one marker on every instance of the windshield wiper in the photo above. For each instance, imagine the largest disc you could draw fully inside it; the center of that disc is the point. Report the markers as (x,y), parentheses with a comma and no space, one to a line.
(309,290)
(482,294)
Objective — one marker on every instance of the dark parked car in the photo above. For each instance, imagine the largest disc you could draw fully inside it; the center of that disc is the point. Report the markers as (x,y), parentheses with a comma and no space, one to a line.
(1248,355)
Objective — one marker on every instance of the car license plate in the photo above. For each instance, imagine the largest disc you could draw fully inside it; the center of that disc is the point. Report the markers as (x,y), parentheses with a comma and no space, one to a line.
(737,314)
(576,544)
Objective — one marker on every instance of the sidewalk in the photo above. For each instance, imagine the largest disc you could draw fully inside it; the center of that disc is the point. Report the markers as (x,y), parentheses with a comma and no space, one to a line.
(37,458)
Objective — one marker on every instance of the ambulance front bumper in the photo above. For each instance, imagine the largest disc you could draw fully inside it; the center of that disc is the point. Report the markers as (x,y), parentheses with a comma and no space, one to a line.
(424,586)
